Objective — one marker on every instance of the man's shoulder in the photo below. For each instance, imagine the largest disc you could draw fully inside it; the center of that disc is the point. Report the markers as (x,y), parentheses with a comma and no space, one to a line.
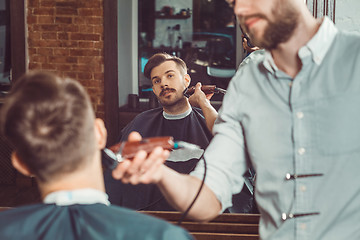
(152,111)
(133,224)
(142,123)
(249,70)
(251,64)
(11,220)
(198,111)
(346,40)
(253,58)
(106,221)
(349,35)
(149,114)
(150,226)
(131,216)
(346,48)
(20,212)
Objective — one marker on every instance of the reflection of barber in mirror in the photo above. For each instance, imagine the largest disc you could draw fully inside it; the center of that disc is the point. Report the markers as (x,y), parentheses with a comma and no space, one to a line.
(176,118)
(56,138)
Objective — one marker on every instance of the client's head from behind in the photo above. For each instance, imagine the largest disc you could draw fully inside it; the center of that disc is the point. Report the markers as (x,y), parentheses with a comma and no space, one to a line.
(51,125)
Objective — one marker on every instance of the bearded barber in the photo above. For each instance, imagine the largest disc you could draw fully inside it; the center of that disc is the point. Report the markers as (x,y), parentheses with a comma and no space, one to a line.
(294,114)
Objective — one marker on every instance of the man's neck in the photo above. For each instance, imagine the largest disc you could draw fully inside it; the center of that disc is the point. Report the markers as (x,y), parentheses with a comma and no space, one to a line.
(180,107)
(89,176)
(286,54)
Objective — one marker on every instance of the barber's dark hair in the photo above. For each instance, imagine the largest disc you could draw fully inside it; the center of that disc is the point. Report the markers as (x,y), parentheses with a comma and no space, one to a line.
(50,123)
(160,58)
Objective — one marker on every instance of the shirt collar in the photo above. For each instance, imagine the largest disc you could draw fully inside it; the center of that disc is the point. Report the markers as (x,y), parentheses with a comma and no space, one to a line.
(317,47)
(269,63)
(320,44)
(177,116)
(78,196)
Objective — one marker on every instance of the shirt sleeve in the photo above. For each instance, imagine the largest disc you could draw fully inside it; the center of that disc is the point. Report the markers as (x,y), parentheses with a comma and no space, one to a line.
(225,157)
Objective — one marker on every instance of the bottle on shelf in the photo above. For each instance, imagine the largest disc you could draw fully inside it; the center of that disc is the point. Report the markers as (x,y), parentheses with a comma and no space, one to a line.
(168,37)
(171,36)
(177,36)
(179,43)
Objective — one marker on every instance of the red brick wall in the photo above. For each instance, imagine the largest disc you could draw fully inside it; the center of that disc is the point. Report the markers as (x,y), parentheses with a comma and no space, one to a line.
(66,37)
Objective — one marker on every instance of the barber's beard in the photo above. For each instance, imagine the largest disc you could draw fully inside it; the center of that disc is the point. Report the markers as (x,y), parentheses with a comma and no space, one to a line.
(280,29)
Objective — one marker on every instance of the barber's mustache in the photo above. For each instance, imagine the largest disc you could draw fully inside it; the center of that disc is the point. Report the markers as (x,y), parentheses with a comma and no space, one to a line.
(242,20)
(166,90)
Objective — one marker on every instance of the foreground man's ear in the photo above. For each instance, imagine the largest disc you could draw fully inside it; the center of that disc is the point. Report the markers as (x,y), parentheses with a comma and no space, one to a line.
(100,133)
(19,165)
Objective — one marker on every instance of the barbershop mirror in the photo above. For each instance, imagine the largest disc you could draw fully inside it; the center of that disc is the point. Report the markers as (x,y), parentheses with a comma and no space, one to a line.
(5,54)
(13,57)
(12,44)
(12,66)
(201,32)
(155,26)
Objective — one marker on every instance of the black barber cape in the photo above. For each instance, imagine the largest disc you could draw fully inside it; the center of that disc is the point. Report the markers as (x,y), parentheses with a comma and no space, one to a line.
(84,222)
(152,123)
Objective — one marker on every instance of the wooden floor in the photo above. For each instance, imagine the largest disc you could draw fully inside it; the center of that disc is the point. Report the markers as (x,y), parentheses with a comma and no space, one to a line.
(13,196)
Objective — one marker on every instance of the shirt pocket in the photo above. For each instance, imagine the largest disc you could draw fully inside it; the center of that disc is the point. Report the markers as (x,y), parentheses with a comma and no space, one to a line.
(338,124)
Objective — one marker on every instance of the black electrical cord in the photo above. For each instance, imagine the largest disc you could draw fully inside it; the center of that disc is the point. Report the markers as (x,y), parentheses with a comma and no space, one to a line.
(161,198)
(183,216)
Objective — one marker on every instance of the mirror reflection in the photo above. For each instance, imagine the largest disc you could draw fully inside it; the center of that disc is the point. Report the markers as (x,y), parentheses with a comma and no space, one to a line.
(201,32)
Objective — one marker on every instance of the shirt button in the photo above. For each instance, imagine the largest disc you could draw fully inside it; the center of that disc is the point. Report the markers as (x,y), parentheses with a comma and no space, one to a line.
(290,84)
(301,151)
(300,115)
(317,59)
(303,188)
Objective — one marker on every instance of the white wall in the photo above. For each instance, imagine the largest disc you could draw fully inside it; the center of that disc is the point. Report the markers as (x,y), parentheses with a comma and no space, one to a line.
(347,15)
(126,42)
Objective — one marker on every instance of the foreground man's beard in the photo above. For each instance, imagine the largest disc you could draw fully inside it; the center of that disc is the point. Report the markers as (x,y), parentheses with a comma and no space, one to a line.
(281,29)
